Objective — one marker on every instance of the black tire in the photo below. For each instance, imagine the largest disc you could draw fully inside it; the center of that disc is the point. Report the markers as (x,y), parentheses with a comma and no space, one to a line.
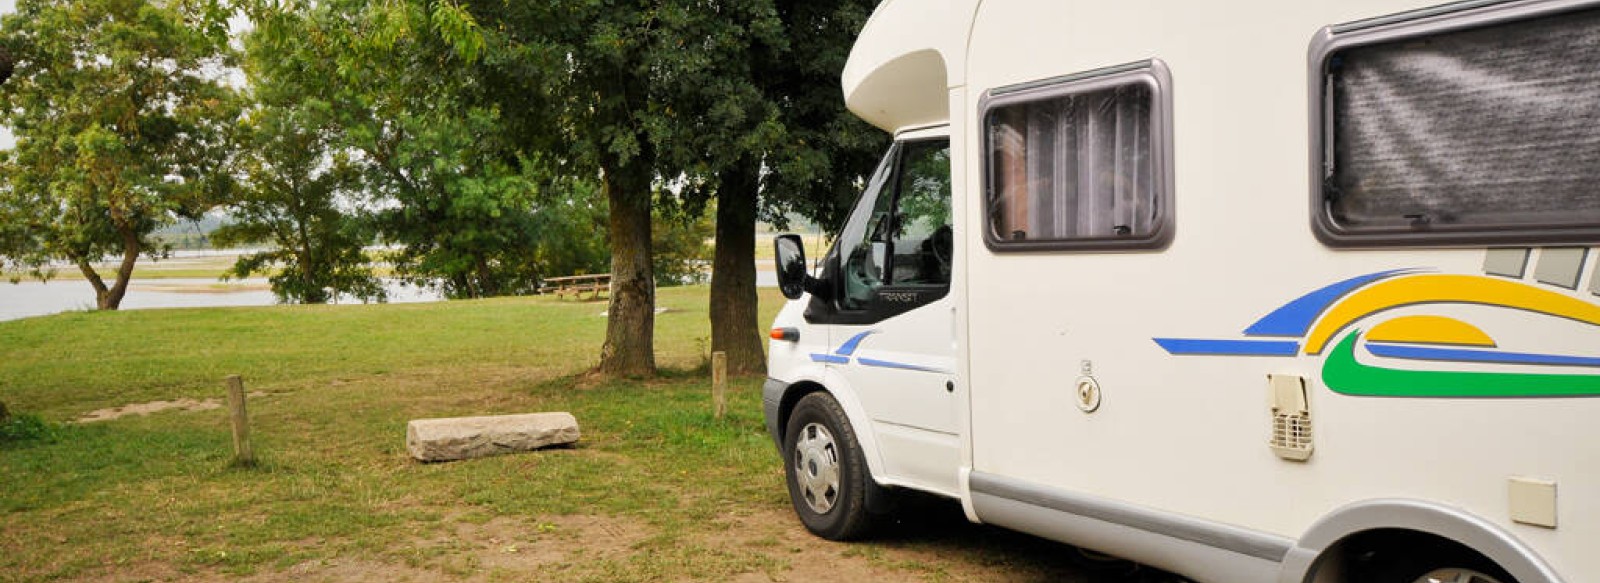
(826,472)
(1427,561)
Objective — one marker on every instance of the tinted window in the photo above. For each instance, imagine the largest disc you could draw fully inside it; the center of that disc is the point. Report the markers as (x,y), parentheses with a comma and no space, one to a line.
(1447,134)
(904,239)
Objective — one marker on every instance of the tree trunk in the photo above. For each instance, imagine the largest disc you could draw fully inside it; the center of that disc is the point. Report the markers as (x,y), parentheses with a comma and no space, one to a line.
(99,284)
(112,299)
(310,287)
(630,327)
(734,326)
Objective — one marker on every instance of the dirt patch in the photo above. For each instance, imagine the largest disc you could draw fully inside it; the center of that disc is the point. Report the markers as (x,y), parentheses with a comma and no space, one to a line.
(108,414)
(345,570)
(757,545)
(591,547)
(554,545)
(135,572)
(806,557)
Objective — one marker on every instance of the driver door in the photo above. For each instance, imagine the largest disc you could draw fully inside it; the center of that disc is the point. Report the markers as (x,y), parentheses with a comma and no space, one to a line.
(894,334)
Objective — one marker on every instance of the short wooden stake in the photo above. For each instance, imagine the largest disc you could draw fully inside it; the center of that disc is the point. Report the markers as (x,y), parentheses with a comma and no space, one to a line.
(243,455)
(719,383)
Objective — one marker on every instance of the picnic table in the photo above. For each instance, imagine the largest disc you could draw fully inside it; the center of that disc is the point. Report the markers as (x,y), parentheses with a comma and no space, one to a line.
(577,285)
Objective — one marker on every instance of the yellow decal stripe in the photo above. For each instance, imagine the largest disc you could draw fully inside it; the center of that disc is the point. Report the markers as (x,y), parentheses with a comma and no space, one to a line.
(1430,330)
(1444,288)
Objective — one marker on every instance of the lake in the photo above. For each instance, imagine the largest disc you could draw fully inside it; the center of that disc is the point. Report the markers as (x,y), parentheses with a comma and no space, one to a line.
(33,298)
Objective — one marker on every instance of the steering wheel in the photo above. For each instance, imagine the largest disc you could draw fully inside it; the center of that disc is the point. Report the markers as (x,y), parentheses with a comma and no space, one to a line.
(859,280)
(943,244)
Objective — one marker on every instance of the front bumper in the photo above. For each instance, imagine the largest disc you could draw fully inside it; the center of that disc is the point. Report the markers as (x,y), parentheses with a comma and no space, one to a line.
(771,397)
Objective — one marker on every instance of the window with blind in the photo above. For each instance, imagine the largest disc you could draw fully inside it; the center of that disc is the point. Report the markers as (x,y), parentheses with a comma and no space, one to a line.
(1476,127)
(1080,163)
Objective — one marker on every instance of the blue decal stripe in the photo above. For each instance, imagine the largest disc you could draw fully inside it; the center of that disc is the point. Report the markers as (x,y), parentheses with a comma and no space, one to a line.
(1229,347)
(899,365)
(829,358)
(1294,318)
(849,346)
(1461,355)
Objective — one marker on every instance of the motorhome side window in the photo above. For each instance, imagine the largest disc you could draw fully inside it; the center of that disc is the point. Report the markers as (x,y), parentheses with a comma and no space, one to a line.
(906,239)
(1460,135)
(1080,164)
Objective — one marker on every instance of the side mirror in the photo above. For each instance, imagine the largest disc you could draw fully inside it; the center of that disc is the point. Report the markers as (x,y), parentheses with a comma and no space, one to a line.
(791,257)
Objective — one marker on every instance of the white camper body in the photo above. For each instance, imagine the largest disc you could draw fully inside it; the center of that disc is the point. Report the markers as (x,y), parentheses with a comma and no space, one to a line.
(1230,378)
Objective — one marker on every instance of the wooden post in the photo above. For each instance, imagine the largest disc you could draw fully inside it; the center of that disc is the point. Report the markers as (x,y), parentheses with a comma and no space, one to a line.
(243,455)
(719,383)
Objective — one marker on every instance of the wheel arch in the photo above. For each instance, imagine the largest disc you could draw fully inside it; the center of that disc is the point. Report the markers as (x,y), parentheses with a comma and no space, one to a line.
(1313,550)
(831,383)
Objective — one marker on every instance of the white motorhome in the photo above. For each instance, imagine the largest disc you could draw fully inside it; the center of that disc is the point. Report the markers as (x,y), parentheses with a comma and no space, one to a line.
(1254,291)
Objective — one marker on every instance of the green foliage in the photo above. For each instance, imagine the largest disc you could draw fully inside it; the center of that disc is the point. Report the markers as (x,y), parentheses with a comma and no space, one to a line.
(395,83)
(679,242)
(754,84)
(458,28)
(928,197)
(25,427)
(122,123)
(464,216)
(481,125)
(298,195)
(571,222)
(821,166)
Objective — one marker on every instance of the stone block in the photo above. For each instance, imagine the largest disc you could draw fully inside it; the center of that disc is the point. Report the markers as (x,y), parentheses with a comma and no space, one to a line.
(458,438)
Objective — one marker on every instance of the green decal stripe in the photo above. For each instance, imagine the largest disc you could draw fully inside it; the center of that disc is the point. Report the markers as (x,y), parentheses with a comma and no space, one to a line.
(1344,375)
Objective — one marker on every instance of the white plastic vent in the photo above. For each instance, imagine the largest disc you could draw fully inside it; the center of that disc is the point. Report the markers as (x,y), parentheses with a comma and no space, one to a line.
(1291,417)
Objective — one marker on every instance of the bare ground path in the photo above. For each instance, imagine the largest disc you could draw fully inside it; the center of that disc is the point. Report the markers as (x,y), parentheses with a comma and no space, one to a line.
(939,546)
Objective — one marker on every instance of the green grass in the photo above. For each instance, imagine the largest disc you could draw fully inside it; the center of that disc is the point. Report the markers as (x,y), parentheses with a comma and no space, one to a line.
(656,489)
(70,363)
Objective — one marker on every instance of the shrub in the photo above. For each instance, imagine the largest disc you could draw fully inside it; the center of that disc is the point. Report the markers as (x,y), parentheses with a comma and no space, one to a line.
(23,427)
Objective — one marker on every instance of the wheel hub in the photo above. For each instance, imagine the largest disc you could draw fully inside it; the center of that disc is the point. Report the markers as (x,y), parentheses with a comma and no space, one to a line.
(1455,576)
(816,468)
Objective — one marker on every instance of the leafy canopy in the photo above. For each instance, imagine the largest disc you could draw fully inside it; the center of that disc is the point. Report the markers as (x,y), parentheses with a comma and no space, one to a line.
(122,120)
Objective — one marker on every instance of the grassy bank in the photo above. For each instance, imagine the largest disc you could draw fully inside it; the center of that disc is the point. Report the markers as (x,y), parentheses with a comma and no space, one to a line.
(201,267)
(656,490)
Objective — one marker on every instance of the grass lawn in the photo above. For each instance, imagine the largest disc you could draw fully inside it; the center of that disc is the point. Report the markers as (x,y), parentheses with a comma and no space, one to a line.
(656,489)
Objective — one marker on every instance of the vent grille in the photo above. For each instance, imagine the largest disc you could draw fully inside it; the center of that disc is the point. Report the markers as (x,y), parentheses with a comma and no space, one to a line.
(1291,417)
(1291,435)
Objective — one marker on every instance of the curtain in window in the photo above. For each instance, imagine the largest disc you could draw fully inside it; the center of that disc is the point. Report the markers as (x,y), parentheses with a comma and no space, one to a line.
(1074,167)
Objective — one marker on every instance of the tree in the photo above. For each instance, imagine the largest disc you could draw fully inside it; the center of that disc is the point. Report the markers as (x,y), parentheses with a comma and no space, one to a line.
(607,98)
(405,99)
(709,96)
(468,113)
(680,244)
(293,189)
(820,170)
(122,124)
(574,80)
(708,68)
(7,65)
(765,131)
